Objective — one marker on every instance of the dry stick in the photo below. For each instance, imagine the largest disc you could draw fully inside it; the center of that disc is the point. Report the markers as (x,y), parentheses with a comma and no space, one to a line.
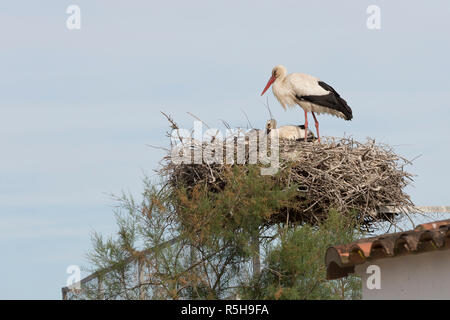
(248,121)
(173,125)
(268,108)
(226,124)
(194,116)
(169,118)
(156,147)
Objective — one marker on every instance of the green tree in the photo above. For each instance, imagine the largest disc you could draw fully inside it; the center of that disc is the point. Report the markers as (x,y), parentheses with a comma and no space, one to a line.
(295,268)
(197,242)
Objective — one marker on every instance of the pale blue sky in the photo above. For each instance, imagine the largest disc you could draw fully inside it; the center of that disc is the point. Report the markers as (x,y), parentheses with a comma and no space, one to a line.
(78,107)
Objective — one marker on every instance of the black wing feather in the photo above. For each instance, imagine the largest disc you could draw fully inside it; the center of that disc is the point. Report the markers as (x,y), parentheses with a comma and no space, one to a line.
(332,100)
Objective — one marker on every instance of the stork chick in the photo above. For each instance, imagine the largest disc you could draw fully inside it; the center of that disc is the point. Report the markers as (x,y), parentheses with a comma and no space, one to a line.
(288,132)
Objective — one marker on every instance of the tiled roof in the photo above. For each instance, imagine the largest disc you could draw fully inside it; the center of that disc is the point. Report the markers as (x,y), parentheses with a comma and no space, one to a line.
(341,260)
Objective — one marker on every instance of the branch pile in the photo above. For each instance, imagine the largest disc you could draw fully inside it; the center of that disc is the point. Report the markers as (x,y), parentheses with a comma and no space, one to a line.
(340,173)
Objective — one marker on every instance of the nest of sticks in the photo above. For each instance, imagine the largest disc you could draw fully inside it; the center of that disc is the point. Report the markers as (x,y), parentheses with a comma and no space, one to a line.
(339,173)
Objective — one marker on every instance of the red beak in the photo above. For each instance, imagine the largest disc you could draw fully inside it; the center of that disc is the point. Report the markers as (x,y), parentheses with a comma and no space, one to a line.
(271,80)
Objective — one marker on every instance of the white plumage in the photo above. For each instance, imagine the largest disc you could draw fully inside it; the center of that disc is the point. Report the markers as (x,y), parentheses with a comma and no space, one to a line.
(311,94)
(286,132)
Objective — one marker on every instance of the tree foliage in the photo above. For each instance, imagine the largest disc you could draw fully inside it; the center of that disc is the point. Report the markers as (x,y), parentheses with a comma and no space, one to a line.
(192,242)
(295,268)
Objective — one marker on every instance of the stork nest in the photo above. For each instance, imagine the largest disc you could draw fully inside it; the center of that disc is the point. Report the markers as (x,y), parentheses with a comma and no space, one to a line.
(340,173)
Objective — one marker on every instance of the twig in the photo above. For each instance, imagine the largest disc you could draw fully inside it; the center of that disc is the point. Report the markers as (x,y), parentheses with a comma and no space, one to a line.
(194,116)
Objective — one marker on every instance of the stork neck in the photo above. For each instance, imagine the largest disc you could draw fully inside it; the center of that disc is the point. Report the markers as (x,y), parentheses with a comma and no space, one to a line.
(282,74)
(278,84)
(281,77)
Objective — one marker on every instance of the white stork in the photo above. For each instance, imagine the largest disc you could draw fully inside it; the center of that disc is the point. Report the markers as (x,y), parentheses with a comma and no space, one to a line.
(287,132)
(308,92)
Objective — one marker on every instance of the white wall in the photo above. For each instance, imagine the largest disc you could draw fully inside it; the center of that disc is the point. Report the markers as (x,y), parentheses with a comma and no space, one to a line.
(413,276)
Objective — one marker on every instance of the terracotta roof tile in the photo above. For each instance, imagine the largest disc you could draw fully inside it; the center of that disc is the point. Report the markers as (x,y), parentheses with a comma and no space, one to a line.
(341,259)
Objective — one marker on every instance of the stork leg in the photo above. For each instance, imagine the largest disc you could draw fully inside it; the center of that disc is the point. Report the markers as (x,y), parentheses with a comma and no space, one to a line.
(317,126)
(306,125)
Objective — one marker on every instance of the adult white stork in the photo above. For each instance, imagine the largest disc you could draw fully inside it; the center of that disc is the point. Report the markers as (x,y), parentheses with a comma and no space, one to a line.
(308,92)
